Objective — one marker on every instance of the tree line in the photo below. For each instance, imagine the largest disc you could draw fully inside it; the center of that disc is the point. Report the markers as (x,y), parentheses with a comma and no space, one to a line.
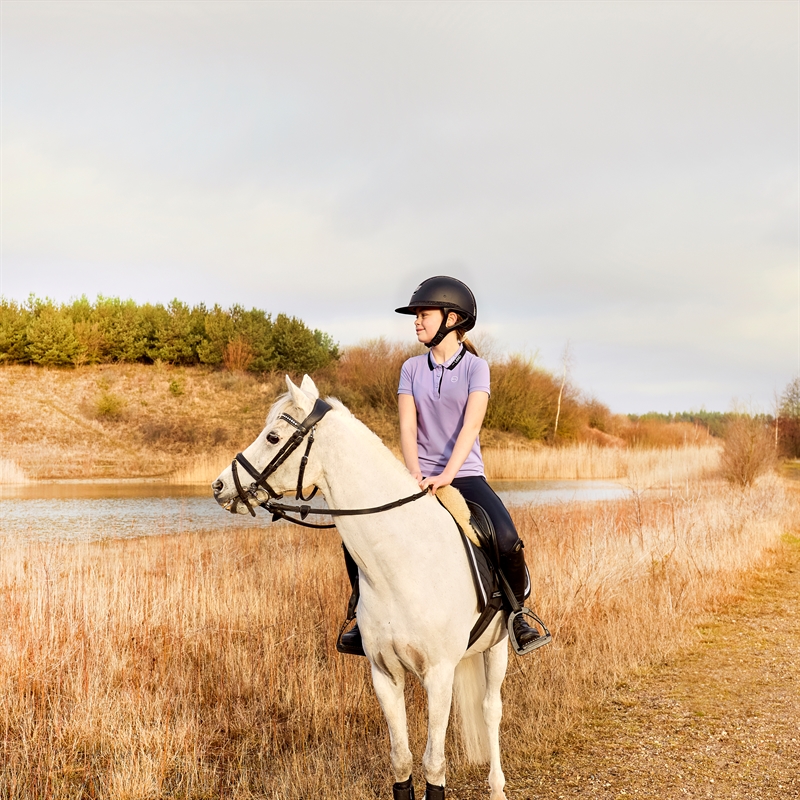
(782,427)
(109,329)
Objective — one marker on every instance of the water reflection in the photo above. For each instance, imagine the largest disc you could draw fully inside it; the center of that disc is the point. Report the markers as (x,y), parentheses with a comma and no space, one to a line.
(119,509)
(538,492)
(97,511)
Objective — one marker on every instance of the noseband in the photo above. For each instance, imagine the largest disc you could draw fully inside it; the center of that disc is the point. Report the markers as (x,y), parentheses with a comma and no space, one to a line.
(279,510)
(303,429)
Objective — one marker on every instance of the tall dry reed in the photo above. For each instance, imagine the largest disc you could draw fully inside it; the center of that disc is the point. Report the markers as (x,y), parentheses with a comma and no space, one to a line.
(202,467)
(203,664)
(10,473)
(590,461)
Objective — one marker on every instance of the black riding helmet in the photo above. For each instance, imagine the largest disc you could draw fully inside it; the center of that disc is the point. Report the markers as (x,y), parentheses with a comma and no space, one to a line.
(446,293)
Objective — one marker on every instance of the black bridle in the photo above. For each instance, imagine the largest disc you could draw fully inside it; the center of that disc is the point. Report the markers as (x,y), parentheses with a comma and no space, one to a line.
(279,510)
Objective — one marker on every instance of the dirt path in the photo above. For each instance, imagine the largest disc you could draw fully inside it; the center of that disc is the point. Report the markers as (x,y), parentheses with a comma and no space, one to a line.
(721,721)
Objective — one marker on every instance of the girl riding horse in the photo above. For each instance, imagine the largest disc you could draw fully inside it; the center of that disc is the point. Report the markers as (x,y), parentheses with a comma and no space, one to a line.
(442,401)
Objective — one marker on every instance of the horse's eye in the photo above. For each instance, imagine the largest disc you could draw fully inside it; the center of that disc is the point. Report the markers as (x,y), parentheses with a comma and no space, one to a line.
(273,437)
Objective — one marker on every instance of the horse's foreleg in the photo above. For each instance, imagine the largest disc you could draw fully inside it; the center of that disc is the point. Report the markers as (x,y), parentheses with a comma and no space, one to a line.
(496,662)
(389,691)
(438,684)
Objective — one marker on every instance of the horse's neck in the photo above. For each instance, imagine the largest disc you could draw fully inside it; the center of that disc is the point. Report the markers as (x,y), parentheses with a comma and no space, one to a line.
(360,472)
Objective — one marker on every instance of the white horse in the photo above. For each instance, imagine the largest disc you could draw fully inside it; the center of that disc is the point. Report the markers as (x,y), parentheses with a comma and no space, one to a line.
(418,602)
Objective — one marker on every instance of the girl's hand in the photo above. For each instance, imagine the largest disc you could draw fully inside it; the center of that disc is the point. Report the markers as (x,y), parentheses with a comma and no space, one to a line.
(417,476)
(435,482)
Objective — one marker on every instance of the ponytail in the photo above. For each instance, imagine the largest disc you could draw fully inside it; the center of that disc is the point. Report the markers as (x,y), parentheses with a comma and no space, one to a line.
(462,337)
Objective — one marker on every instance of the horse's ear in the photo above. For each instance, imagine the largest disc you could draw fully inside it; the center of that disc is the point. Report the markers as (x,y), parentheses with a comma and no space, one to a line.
(309,386)
(300,397)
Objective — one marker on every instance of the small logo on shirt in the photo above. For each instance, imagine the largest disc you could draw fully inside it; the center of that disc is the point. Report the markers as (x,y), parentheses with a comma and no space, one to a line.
(453,378)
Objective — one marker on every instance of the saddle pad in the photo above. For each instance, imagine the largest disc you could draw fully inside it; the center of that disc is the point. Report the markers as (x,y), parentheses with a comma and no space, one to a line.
(483,575)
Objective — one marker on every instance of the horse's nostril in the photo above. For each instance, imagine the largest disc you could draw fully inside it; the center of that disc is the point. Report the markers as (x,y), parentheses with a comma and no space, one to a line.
(217,486)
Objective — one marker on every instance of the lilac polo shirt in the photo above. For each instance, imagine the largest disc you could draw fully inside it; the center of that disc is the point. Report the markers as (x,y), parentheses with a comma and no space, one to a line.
(440,393)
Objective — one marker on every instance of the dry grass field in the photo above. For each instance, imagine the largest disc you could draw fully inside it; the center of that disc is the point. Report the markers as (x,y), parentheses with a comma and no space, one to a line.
(202,665)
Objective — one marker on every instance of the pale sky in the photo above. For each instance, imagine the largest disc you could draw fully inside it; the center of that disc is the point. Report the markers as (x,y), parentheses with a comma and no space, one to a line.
(619,175)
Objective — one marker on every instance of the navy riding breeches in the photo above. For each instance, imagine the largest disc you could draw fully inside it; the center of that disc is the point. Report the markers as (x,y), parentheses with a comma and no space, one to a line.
(476,489)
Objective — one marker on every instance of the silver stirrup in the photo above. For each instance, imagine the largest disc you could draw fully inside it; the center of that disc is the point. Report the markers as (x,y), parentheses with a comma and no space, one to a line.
(544,638)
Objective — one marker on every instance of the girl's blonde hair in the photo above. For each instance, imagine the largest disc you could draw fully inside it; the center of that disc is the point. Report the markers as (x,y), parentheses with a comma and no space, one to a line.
(462,337)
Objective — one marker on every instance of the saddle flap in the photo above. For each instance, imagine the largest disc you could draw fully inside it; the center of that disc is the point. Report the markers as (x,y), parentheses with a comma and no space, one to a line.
(484,528)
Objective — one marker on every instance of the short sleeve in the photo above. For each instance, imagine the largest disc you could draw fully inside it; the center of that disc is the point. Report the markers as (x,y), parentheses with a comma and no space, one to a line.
(479,376)
(406,379)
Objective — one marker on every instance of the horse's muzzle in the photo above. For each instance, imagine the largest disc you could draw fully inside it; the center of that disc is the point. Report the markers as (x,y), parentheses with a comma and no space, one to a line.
(229,504)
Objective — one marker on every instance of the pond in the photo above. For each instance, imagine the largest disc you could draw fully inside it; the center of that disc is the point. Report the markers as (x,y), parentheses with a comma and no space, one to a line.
(120,509)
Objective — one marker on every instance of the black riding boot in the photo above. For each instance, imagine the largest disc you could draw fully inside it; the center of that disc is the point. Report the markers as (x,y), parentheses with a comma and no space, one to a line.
(350,641)
(513,566)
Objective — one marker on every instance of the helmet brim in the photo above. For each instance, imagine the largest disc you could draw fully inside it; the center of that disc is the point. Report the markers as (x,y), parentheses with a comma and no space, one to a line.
(413,309)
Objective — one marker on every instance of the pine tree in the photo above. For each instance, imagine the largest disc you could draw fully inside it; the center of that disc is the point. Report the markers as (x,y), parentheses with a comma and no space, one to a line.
(51,337)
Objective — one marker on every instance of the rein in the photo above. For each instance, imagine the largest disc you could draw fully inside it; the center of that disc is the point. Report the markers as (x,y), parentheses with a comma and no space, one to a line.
(280,510)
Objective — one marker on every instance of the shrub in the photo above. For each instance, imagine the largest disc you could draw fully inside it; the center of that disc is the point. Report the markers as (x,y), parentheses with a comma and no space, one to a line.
(180,431)
(525,398)
(367,374)
(109,406)
(748,450)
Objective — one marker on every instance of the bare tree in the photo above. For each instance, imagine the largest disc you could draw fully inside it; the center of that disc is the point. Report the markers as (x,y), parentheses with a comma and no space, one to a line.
(566,364)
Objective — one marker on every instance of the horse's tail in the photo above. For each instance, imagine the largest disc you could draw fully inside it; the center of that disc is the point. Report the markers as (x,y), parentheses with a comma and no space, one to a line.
(469,688)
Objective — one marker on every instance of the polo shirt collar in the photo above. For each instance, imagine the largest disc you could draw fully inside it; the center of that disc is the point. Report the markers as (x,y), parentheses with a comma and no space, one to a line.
(452,363)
